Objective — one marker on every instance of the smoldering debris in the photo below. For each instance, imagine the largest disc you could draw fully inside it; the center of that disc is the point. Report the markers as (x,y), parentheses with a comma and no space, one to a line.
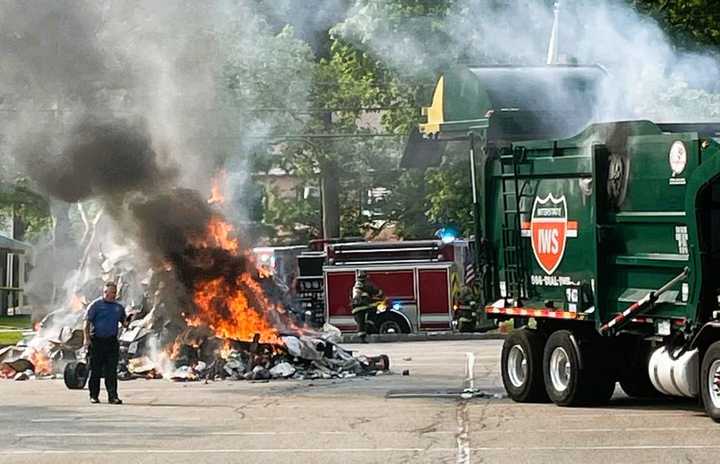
(212,358)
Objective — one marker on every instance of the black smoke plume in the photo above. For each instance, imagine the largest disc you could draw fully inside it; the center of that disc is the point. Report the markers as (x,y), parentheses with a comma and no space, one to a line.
(100,159)
(113,161)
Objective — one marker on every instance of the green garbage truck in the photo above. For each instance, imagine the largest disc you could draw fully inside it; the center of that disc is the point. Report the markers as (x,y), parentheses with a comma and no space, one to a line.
(601,240)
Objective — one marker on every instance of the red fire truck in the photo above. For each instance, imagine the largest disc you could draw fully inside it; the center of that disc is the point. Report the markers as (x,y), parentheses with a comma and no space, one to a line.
(419,279)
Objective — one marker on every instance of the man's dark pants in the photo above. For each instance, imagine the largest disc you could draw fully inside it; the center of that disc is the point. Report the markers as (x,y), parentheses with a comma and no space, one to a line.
(104,354)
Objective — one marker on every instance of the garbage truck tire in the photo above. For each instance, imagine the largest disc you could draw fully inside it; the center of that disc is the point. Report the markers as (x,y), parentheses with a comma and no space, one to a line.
(575,372)
(710,381)
(521,365)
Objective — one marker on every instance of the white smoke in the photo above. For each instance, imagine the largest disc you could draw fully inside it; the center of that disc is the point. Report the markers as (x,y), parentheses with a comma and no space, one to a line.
(648,77)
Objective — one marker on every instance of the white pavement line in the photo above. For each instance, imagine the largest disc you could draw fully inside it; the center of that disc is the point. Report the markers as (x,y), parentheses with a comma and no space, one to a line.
(223,451)
(182,420)
(355,450)
(462,433)
(83,419)
(604,448)
(642,429)
(199,435)
(441,358)
(463,420)
(609,414)
(168,434)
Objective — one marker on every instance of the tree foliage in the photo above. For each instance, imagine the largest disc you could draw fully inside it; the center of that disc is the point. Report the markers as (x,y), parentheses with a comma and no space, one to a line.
(29,211)
(693,24)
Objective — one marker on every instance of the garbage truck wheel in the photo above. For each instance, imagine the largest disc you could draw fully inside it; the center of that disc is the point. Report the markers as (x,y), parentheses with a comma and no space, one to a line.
(710,381)
(575,372)
(75,375)
(521,366)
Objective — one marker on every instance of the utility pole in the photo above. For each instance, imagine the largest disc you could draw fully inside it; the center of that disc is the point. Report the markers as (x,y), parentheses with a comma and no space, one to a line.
(552,56)
(329,190)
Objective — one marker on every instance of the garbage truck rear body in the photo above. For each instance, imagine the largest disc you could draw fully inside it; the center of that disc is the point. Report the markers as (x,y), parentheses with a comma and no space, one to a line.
(601,240)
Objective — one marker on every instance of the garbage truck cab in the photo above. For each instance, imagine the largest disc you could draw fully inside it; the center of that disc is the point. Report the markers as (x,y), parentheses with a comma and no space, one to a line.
(600,240)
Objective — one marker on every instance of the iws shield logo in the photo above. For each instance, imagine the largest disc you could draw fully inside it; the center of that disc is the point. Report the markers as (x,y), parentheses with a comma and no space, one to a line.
(549,230)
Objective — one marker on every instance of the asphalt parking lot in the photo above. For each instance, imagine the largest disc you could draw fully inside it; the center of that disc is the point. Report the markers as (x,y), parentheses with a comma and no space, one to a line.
(387,419)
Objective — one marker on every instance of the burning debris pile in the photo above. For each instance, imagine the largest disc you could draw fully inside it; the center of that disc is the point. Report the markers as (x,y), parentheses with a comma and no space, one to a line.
(210,342)
(203,310)
(212,358)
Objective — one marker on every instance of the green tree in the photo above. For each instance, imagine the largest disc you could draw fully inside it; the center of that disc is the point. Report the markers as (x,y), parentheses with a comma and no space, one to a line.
(28,210)
(450,201)
(693,24)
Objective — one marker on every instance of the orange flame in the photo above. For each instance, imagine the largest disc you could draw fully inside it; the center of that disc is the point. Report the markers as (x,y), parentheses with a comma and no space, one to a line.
(174,350)
(264,272)
(226,349)
(42,363)
(220,232)
(228,311)
(216,195)
(233,307)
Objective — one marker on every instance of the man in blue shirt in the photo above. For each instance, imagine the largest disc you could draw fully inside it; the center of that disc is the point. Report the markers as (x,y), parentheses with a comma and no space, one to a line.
(102,319)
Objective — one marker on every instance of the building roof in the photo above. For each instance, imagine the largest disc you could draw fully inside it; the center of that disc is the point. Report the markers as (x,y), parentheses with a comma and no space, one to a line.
(7,243)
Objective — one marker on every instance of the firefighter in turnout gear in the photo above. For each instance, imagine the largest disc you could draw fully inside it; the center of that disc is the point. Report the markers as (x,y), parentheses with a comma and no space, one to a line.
(365,298)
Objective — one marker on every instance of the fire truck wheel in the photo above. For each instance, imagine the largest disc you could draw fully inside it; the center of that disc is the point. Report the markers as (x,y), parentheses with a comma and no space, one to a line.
(521,365)
(566,383)
(392,325)
(710,381)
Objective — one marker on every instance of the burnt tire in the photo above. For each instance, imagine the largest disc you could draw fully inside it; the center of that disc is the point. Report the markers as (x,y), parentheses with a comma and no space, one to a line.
(575,372)
(710,381)
(75,375)
(521,366)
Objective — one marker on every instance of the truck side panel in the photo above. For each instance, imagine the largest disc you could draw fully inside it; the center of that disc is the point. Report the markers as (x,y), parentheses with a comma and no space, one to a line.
(338,287)
(433,287)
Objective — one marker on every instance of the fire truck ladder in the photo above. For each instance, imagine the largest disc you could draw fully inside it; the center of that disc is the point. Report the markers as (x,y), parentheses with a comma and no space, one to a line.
(514,251)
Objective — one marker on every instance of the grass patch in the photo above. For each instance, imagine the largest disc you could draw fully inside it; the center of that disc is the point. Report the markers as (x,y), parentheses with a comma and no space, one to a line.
(15,322)
(10,338)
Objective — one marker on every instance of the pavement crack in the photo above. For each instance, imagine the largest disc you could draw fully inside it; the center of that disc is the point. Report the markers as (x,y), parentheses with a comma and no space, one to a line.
(240,412)
(359,421)
(462,437)
(427,429)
